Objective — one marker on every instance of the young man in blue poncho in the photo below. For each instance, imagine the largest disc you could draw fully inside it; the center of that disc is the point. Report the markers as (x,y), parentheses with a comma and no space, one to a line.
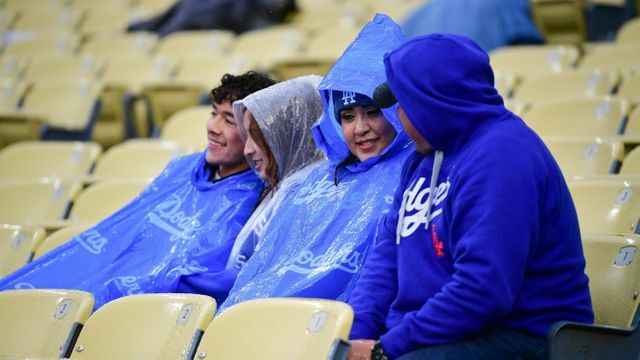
(481,251)
(313,240)
(184,222)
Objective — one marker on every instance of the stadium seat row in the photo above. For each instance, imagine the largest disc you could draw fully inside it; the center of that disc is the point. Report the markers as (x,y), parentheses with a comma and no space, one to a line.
(59,323)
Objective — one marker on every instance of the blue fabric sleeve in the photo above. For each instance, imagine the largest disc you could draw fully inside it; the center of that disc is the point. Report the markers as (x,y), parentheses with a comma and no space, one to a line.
(494,224)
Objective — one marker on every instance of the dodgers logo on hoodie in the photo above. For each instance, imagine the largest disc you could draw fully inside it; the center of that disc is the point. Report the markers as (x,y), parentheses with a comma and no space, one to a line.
(416,205)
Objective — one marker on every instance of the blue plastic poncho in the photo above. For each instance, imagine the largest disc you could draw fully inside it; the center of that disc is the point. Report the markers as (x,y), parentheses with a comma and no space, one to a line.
(314,241)
(285,113)
(180,224)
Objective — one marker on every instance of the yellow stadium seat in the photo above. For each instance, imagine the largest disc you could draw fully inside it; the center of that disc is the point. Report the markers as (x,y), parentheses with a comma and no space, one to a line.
(533,60)
(632,130)
(48,20)
(42,46)
(630,88)
(612,270)
(567,85)
(624,58)
(112,46)
(322,51)
(11,94)
(318,16)
(631,163)
(35,202)
(187,127)
(59,237)
(17,246)
(41,324)
(36,159)
(607,206)
(104,198)
(560,21)
(277,329)
(579,156)
(66,106)
(33,5)
(148,326)
(196,44)
(397,10)
(629,32)
(613,281)
(62,68)
(12,67)
(270,45)
(579,117)
(194,79)
(128,76)
(136,159)
(105,20)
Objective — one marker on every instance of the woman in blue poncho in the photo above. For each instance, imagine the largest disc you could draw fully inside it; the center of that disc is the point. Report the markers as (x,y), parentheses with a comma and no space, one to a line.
(281,120)
(317,232)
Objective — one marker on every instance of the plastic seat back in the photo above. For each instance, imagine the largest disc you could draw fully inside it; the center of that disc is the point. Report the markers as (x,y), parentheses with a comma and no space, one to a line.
(35,201)
(59,237)
(35,159)
(631,163)
(567,86)
(17,246)
(100,200)
(614,277)
(534,60)
(148,326)
(585,156)
(277,329)
(41,323)
(579,117)
(136,159)
(629,32)
(624,58)
(188,127)
(607,206)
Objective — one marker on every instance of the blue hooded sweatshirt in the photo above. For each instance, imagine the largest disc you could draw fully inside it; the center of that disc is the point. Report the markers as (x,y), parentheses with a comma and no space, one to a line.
(180,224)
(316,239)
(483,231)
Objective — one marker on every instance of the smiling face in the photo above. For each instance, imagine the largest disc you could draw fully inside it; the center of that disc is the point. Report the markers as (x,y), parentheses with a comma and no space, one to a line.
(366,131)
(258,155)
(225,145)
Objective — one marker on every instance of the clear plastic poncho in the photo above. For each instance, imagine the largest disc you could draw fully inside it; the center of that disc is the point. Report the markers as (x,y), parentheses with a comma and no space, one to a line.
(180,224)
(315,240)
(285,113)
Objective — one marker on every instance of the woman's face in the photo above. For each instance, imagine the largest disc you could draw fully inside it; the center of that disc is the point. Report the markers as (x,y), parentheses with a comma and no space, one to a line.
(253,151)
(366,131)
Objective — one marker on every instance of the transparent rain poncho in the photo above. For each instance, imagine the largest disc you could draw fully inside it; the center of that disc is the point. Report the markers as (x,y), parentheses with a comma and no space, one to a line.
(180,224)
(285,113)
(315,240)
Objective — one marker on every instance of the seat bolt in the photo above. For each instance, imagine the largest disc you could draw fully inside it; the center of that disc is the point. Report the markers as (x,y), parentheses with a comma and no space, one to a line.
(202,355)
(79,348)
(635,295)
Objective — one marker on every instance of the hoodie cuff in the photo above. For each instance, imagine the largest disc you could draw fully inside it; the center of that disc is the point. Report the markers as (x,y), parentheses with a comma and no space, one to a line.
(361,330)
(396,342)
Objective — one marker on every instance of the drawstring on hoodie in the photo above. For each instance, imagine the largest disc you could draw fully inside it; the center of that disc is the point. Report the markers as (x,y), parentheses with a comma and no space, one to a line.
(437,162)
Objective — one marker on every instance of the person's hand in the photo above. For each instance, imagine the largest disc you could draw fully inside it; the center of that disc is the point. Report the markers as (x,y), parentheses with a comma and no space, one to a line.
(360,349)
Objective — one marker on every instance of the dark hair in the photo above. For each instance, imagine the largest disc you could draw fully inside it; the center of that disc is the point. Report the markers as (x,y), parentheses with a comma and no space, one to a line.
(235,87)
(347,161)
(272,166)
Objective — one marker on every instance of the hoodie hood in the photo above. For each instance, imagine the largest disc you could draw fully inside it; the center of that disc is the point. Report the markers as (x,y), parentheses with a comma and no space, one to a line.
(445,85)
(285,113)
(360,70)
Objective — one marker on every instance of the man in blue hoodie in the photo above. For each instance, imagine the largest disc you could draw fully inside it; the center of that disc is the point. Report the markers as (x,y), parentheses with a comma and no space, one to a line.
(481,250)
